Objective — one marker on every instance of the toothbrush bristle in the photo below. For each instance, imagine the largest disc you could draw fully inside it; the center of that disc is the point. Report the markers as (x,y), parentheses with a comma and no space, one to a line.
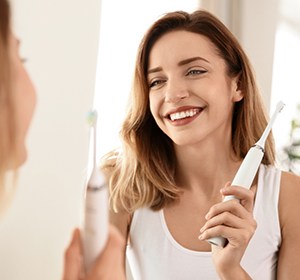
(280,106)
(92,118)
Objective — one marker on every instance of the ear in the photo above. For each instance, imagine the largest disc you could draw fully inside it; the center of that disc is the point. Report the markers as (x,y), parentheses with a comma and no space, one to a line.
(237,94)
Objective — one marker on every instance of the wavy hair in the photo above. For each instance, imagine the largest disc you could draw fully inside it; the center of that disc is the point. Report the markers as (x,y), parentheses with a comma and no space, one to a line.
(143,173)
(7,110)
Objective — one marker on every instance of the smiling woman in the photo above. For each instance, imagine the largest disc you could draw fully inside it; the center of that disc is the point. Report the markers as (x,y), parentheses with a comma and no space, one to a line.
(187,84)
(195,112)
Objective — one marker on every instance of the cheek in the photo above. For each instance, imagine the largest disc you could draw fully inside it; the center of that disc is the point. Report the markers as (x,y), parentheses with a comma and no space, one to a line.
(25,100)
(155,107)
(152,105)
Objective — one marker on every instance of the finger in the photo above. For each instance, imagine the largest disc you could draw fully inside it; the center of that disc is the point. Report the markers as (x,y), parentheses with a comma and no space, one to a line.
(231,206)
(227,219)
(73,258)
(245,196)
(236,237)
(110,264)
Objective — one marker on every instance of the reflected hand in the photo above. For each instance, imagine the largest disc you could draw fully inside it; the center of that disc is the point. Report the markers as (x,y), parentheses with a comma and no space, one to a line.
(108,266)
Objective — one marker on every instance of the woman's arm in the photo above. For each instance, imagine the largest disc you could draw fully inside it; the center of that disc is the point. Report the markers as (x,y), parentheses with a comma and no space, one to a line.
(289,211)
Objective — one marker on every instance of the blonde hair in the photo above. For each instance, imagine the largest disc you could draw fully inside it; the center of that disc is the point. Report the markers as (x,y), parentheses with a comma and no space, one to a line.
(143,174)
(7,112)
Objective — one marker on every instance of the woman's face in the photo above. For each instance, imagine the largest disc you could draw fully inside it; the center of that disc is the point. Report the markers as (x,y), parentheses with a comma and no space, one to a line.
(191,96)
(25,99)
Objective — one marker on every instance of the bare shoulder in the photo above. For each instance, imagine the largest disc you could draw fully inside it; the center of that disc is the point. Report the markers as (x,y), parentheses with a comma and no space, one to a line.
(289,208)
(290,186)
(289,198)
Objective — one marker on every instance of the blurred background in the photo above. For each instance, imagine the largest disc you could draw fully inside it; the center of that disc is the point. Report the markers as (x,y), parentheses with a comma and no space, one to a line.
(80,55)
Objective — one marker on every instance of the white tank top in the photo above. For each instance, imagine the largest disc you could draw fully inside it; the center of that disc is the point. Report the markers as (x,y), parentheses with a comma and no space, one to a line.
(153,254)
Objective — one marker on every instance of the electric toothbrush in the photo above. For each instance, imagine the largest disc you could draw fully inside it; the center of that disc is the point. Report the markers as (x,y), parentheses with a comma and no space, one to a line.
(248,169)
(95,228)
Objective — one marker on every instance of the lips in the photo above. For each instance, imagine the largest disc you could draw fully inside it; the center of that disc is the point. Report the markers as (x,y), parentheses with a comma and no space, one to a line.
(184,113)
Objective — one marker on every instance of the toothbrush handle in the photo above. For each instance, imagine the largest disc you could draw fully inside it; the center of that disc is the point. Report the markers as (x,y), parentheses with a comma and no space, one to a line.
(95,231)
(244,178)
(248,169)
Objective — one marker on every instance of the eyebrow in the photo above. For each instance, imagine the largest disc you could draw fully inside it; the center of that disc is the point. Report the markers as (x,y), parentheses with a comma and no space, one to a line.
(180,63)
(187,61)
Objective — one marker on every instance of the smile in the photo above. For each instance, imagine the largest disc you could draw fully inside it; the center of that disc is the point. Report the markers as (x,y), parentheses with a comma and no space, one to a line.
(185,114)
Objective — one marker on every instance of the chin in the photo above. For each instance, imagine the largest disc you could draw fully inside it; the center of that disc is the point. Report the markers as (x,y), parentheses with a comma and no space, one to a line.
(18,160)
(184,141)
(21,157)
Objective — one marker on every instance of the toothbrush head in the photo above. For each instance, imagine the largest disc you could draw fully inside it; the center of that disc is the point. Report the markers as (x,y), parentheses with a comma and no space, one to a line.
(92,118)
(261,142)
(280,105)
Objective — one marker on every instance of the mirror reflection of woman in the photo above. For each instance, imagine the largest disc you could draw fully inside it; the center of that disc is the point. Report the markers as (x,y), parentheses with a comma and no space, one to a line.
(195,112)
(17,103)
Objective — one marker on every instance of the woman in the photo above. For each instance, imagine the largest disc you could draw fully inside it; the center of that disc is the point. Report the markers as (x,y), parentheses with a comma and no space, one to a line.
(17,103)
(18,99)
(194,114)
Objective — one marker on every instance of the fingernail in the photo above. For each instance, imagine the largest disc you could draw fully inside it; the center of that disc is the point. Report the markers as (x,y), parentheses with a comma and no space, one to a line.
(207,216)
(201,229)
(200,237)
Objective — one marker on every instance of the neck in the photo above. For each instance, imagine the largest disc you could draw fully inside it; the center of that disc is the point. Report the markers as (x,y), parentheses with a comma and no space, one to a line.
(205,168)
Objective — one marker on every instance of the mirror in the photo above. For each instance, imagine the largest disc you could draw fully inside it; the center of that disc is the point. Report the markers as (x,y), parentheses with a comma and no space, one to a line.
(60,40)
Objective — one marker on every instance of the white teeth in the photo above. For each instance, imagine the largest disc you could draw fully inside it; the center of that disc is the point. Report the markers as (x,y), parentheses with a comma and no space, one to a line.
(183,114)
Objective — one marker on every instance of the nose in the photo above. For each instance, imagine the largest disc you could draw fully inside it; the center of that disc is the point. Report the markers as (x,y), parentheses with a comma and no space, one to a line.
(175,92)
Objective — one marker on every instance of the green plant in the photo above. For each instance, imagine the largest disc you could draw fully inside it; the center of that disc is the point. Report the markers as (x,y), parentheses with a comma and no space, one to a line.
(292,150)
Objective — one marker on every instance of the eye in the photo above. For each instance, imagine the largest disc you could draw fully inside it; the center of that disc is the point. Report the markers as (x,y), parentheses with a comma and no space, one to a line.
(195,72)
(155,83)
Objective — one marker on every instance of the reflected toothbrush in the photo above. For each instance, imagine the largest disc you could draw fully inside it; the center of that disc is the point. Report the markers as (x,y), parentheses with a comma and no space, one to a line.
(248,169)
(95,228)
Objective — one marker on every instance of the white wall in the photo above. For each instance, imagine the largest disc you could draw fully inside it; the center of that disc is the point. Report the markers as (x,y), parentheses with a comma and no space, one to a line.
(60,40)
(257,35)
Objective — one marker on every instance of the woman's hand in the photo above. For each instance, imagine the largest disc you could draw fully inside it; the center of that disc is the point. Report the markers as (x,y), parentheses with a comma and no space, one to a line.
(108,266)
(234,221)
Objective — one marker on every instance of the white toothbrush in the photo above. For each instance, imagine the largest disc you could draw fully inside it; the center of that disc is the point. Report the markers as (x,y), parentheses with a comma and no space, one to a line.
(248,169)
(95,229)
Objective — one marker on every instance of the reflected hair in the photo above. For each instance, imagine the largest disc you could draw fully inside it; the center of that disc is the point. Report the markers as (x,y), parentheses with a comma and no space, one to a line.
(7,111)
(143,174)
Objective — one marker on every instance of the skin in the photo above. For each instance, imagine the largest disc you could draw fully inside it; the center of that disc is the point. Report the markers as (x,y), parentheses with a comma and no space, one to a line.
(108,265)
(193,78)
(25,99)
(200,83)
